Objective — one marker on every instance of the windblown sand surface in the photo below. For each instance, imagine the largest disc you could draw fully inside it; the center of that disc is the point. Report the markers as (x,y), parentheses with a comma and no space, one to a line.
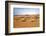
(21,21)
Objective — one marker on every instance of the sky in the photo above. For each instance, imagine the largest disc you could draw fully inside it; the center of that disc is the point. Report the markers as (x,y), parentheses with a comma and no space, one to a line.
(25,11)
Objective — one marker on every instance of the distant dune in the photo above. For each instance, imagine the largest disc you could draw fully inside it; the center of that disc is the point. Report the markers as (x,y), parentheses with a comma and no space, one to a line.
(21,21)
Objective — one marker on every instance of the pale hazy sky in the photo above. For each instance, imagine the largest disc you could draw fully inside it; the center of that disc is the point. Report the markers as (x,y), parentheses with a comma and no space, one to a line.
(23,11)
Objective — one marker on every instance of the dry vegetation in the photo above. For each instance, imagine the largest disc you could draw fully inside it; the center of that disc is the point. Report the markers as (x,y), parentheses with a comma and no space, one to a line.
(26,21)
